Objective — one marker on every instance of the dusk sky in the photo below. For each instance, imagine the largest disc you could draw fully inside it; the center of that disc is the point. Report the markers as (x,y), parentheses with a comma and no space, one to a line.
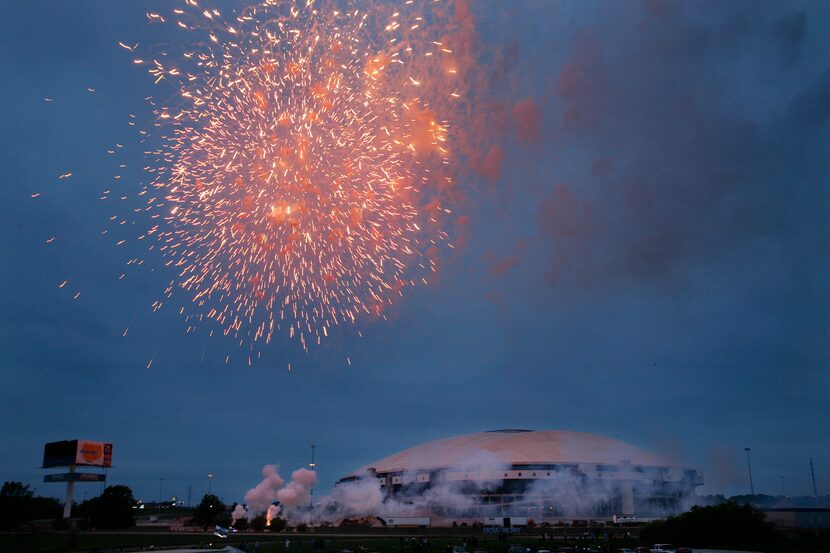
(648,262)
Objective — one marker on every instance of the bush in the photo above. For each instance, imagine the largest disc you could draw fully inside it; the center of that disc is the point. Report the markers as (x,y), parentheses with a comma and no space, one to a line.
(60,524)
(208,511)
(19,504)
(241,524)
(277,524)
(258,523)
(113,509)
(224,520)
(716,525)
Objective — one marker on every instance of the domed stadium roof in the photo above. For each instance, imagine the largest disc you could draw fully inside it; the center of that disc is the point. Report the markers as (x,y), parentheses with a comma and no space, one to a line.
(516,447)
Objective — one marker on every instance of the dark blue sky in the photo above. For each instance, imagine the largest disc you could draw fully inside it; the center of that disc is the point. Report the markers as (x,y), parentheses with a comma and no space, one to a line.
(651,264)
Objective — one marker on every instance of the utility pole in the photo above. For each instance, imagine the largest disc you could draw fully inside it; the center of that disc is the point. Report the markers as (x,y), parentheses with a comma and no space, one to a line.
(749,469)
(813,475)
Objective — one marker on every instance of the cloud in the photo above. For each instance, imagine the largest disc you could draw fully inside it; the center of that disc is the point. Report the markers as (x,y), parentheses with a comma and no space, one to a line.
(490,164)
(582,84)
(501,265)
(811,106)
(667,169)
(790,31)
(528,116)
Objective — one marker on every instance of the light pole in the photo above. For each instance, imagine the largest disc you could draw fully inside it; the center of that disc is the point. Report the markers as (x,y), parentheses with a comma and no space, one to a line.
(210,477)
(161,480)
(749,469)
(311,466)
(813,476)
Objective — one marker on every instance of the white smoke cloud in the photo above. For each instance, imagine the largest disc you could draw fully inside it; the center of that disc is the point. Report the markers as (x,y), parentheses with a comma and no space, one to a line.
(452,492)
(298,491)
(573,495)
(448,493)
(238,512)
(352,499)
(272,513)
(261,498)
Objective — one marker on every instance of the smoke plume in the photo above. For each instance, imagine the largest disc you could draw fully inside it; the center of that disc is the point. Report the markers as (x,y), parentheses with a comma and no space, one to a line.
(261,499)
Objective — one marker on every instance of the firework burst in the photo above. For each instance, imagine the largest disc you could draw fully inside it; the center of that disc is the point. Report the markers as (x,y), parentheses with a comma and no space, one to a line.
(303,174)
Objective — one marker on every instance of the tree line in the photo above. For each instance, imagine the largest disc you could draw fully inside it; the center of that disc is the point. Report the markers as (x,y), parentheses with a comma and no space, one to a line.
(114,509)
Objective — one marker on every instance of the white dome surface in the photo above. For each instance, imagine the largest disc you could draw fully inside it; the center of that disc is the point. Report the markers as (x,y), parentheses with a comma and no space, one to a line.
(516,447)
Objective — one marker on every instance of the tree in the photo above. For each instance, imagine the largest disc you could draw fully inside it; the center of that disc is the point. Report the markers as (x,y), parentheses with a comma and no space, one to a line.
(113,509)
(208,511)
(18,504)
(725,524)
(258,523)
(277,524)
(241,524)
(15,489)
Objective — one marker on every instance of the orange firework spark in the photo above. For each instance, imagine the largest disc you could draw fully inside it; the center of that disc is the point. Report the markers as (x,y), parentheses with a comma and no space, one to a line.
(303,174)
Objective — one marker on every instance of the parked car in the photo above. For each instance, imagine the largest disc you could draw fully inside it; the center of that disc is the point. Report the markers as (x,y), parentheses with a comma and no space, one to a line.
(663,548)
(643,549)
(625,550)
(517,549)
(458,549)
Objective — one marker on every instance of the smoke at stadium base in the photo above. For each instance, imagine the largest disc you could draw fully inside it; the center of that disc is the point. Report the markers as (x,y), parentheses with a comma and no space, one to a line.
(550,475)
(261,499)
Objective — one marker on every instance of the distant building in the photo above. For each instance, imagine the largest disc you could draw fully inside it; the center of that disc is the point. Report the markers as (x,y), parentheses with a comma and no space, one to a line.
(798,516)
(545,475)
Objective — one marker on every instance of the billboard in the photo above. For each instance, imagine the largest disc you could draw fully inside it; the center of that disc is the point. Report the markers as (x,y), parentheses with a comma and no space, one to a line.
(75,477)
(84,453)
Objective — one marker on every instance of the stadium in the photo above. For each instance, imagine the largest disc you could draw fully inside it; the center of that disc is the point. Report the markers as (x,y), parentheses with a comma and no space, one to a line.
(543,475)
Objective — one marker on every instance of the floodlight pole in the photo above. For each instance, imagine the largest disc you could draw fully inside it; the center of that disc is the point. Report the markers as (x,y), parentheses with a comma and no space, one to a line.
(813,475)
(311,466)
(210,477)
(70,488)
(161,480)
(749,468)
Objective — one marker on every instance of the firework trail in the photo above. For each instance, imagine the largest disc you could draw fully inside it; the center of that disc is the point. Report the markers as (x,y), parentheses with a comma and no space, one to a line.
(305,175)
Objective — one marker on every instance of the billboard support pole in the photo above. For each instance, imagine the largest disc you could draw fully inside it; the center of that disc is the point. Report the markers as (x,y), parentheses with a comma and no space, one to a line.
(70,487)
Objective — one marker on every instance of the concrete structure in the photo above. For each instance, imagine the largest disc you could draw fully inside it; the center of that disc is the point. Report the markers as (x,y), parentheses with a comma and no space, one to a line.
(545,475)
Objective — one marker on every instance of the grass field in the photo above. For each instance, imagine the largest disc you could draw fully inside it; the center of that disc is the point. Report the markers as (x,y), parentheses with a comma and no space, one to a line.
(53,542)
(104,542)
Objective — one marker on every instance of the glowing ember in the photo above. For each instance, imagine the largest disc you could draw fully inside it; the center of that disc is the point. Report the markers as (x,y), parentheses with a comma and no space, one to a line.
(303,170)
